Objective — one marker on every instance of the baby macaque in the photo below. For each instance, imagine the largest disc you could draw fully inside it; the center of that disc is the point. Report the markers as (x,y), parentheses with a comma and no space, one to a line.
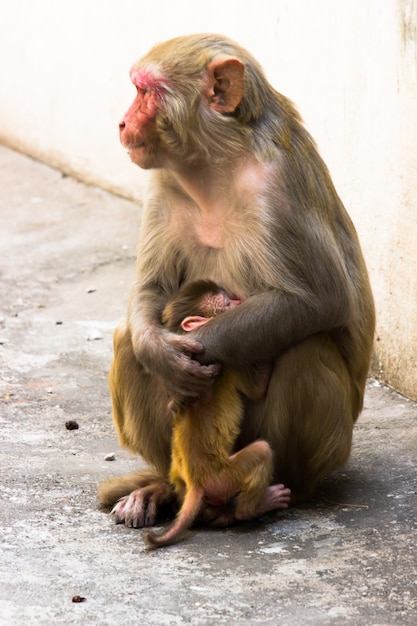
(204,469)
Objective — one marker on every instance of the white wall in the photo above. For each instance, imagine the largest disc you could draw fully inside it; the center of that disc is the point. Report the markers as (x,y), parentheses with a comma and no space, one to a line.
(350,66)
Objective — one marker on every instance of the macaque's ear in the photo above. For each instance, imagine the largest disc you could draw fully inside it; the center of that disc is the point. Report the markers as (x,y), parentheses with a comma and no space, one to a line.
(193,321)
(225,84)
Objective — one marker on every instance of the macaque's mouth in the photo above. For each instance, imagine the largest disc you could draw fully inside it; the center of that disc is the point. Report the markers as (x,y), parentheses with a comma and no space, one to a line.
(136,146)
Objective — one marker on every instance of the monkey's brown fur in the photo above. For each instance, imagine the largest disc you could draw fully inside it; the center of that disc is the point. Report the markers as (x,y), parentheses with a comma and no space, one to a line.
(240,195)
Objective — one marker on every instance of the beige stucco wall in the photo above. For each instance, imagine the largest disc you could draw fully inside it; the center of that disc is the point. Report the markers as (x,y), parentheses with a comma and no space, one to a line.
(351,68)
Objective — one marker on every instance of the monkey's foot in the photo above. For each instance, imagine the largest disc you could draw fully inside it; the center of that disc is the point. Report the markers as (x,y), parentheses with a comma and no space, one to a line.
(275,497)
(140,508)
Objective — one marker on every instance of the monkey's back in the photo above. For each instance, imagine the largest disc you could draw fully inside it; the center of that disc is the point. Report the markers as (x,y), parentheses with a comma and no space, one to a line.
(204,433)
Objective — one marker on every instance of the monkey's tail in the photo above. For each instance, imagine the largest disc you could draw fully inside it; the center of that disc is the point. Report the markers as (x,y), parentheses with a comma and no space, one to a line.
(190,508)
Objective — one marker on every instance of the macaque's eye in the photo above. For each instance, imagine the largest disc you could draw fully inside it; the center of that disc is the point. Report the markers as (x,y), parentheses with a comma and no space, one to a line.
(143,90)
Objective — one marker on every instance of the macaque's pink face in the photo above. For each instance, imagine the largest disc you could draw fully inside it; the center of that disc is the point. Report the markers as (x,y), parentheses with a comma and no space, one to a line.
(210,305)
(215,303)
(137,128)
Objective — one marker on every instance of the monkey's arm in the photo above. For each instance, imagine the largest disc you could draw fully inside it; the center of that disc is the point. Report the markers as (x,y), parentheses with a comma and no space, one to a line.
(269,323)
(323,299)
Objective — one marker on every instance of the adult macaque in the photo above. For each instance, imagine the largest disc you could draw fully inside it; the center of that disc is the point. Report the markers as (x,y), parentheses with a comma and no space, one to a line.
(203,468)
(240,196)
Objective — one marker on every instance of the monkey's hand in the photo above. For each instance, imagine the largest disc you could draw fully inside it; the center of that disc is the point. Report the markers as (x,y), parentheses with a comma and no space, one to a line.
(170,356)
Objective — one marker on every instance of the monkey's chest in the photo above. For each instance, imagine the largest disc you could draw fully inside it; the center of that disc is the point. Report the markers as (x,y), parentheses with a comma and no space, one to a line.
(211,235)
(225,224)
(225,245)
(231,231)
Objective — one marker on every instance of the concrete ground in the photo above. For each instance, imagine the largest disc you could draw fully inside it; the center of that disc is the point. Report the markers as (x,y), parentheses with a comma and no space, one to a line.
(349,557)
